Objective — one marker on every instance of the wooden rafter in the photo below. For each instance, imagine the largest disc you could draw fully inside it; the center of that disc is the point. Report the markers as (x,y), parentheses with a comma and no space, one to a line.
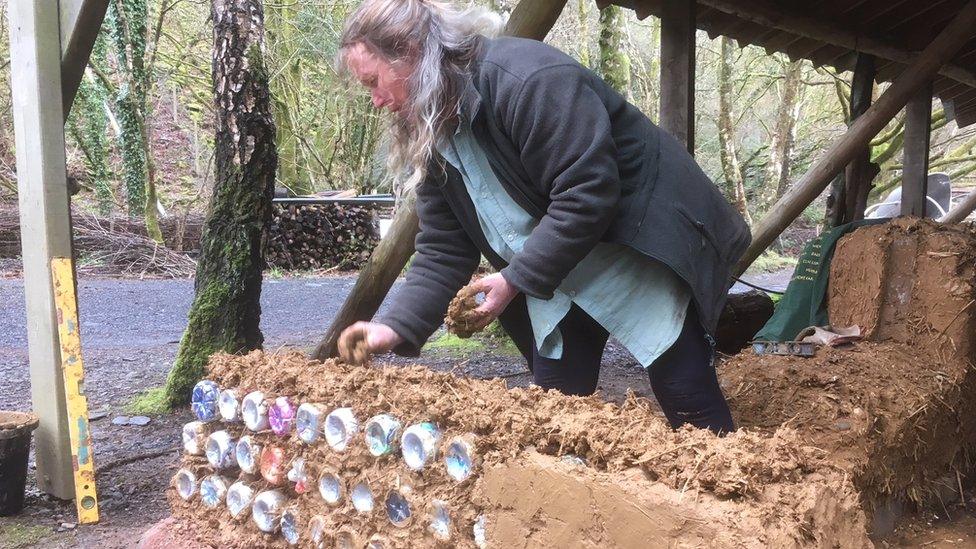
(844,149)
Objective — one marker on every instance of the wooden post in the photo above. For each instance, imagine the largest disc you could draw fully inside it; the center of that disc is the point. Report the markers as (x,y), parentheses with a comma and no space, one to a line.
(531,19)
(845,148)
(962,209)
(35,68)
(678,70)
(915,173)
(81,20)
(845,189)
(860,172)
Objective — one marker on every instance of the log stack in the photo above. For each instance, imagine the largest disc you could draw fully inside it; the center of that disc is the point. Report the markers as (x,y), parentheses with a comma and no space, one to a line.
(320,236)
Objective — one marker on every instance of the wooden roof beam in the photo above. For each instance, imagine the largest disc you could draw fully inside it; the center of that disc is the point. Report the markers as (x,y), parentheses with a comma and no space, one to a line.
(770,15)
(846,147)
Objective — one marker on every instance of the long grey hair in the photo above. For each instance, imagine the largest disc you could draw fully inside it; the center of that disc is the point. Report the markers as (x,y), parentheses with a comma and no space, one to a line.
(439,42)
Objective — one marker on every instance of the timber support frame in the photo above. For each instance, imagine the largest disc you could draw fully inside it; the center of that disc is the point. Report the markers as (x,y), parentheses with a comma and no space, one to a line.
(50,42)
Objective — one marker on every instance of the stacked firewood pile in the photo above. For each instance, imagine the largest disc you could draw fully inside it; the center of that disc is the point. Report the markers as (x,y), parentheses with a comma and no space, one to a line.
(321,236)
(305,237)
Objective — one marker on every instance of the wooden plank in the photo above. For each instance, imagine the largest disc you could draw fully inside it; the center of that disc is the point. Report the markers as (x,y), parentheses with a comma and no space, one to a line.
(69,334)
(81,21)
(771,15)
(35,67)
(961,210)
(846,147)
(918,123)
(678,70)
(531,19)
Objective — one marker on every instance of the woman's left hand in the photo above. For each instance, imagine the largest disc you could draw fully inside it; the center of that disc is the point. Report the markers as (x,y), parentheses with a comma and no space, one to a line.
(498,294)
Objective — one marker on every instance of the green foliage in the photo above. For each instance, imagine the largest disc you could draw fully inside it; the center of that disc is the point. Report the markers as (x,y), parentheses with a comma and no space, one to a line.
(151,402)
(14,535)
(88,125)
(455,345)
(127,21)
(771,261)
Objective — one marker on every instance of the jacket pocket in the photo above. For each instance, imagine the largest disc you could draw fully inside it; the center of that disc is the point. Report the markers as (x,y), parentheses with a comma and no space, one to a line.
(706,234)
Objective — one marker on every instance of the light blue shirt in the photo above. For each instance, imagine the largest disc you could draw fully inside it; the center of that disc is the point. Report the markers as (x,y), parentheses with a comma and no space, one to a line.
(641,302)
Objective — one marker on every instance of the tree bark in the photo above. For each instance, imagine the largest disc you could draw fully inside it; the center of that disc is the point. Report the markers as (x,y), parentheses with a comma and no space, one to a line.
(226,309)
(287,86)
(614,62)
(784,133)
(726,134)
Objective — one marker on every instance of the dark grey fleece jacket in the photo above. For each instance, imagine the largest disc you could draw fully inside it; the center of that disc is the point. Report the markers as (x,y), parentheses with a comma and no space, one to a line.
(584,162)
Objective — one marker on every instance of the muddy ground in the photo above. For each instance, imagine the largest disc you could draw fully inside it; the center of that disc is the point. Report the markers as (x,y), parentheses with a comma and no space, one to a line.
(131,331)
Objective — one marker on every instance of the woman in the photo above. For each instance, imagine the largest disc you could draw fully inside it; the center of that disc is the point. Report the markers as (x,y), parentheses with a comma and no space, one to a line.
(598,222)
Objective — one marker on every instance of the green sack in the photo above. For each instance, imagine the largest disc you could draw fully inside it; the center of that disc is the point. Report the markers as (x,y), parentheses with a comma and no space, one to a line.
(804,304)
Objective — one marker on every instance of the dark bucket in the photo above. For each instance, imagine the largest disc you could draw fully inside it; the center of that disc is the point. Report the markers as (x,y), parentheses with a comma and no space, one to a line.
(15,441)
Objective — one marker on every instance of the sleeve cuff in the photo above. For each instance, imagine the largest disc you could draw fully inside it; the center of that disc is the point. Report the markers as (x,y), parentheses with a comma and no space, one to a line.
(413,340)
(524,285)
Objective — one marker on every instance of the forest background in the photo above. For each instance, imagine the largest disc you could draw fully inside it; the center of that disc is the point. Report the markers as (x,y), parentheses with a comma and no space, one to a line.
(140,135)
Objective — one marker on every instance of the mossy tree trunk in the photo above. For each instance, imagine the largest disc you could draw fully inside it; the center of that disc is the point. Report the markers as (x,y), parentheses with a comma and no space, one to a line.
(728,150)
(226,310)
(614,61)
(127,23)
(88,125)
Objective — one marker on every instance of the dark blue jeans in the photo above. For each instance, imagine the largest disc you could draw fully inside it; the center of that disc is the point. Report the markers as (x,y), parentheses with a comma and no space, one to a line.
(683,378)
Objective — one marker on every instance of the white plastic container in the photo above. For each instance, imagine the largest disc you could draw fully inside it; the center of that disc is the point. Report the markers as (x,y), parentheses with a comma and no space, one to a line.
(460,458)
(266,510)
(248,454)
(419,445)
(221,450)
(340,427)
(331,488)
(382,435)
(440,520)
(398,509)
(479,532)
(213,489)
(254,411)
(229,406)
(186,483)
(194,438)
(240,496)
(289,525)
(362,497)
(309,422)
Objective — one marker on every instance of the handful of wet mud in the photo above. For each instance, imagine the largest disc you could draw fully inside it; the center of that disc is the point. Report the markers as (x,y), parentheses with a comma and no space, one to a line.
(353,349)
(463,319)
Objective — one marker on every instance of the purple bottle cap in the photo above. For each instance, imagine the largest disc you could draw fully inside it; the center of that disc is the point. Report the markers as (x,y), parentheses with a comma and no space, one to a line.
(281,416)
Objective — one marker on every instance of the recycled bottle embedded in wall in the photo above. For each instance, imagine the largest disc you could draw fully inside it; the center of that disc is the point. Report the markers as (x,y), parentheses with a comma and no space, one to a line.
(340,427)
(203,401)
(248,453)
(382,434)
(419,445)
(254,411)
(267,509)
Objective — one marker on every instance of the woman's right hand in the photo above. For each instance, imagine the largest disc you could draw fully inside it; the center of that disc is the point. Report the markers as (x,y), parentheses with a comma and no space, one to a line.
(372,337)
